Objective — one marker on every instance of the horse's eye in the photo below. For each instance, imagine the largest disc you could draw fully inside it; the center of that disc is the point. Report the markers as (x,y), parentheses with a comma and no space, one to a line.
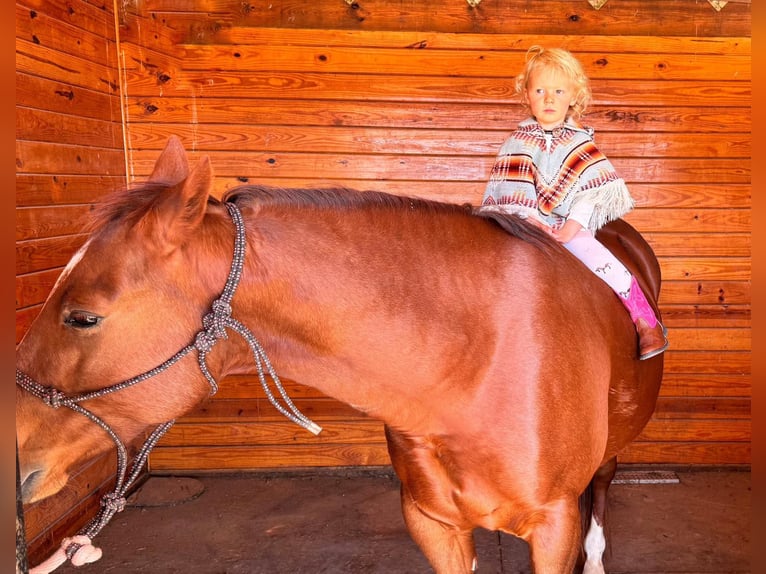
(82,320)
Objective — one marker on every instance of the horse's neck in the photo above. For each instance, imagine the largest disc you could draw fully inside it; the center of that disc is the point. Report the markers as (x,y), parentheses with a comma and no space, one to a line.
(343,314)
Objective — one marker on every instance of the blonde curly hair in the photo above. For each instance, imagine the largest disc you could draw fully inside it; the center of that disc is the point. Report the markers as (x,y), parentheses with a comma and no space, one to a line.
(564,62)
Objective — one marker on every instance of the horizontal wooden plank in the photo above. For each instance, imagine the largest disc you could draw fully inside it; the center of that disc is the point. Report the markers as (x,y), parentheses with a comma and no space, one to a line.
(701,408)
(719,340)
(348,140)
(33,288)
(50,31)
(424,39)
(54,127)
(144,29)
(700,195)
(256,410)
(708,385)
(696,431)
(42,222)
(454,62)
(703,453)
(64,189)
(705,292)
(89,17)
(271,433)
(256,165)
(260,457)
(44,254)
(197,459)
(629,17)
(702,244)
(66,67)
(705,269)
(731,220)
(249,386)
(706,317)
(662,118)
(304,85)
(165,108)
(55,159)
(705,362)
(65,98)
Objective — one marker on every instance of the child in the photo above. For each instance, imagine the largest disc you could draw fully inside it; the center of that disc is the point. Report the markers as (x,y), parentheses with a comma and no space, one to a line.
(550,171)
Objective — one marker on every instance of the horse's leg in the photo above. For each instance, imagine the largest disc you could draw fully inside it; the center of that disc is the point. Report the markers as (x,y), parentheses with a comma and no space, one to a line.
(448,549)
(595,541)
(554,542)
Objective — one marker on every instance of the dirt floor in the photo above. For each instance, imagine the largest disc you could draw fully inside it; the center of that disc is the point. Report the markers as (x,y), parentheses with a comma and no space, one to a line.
(333,522)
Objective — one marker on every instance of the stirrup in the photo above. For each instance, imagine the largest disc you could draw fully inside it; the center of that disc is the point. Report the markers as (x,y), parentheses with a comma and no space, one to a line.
(654,353)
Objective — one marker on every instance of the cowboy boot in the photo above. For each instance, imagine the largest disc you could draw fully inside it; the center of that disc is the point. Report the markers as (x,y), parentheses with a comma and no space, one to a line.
(652,336)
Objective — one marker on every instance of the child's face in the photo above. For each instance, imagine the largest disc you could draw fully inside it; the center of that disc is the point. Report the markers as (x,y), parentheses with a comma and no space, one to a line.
(549,94)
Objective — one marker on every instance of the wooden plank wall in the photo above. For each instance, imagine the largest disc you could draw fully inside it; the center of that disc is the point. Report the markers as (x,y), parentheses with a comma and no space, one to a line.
(69,151)
(417,101)
(413,98)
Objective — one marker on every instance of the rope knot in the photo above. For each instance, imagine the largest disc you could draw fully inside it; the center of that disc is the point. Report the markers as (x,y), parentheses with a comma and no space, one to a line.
(80,550)
(113,502)
(204,341)
(221,309)
(215,322)
(53,397)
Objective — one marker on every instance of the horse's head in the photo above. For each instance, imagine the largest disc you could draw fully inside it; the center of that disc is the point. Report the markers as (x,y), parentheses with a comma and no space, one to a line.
(131,298)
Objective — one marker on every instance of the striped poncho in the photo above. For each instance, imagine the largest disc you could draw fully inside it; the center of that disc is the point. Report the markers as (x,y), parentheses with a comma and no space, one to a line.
(556,175)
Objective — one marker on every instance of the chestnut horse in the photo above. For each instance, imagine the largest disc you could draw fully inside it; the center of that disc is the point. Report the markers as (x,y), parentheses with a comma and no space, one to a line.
(505,372)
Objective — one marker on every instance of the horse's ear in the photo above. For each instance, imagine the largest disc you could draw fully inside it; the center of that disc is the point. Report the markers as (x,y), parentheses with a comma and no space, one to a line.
(189,204)
(172,167)
(184,202)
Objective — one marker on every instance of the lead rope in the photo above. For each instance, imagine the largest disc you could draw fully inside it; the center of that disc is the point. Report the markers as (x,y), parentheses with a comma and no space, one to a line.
(216,323)
(79,548)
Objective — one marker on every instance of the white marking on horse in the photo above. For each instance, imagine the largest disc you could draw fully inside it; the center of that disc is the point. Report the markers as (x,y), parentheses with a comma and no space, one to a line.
(595,543)
(76,258)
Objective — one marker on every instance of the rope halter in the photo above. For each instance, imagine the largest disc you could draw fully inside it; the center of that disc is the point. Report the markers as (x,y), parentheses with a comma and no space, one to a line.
(79,549)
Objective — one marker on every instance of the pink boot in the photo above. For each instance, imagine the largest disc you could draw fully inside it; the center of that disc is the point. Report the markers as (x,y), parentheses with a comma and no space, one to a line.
(652,338)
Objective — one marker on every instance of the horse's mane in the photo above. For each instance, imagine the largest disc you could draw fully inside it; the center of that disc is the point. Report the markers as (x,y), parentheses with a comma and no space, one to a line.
(346,198)
(130,205)
(333,198)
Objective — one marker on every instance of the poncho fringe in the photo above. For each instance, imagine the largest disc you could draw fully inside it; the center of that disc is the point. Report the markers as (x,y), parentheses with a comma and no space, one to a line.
(612,200)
